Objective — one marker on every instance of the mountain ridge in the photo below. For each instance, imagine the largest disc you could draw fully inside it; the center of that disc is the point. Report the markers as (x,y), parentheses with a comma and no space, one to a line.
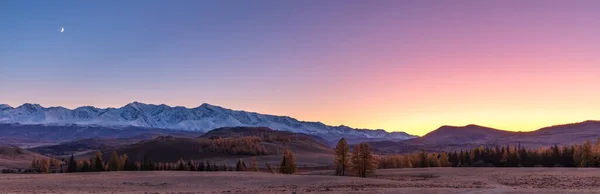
(453,138)
(456,134)
(202,118)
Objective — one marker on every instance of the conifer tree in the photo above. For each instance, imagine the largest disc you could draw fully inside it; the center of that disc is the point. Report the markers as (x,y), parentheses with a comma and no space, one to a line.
(342,157)
(201,166)
(585,158)
(113,164)
(423,159)
(98,162)
(443,161)
(288,162)
(128,165)
(72,165)
(45,166)
(147,164)
(240,166)
(33,163)
(254,165)
(208,166)
(432,160)
(123,161)
(192,165)
(363,160)
(86,166)
(180,165)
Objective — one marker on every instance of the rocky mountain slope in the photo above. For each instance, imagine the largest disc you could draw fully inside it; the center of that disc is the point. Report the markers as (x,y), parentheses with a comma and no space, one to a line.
(200,119)
(36,135)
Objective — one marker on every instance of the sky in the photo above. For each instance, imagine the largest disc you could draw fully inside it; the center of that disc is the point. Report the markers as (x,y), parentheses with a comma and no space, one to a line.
(408,66)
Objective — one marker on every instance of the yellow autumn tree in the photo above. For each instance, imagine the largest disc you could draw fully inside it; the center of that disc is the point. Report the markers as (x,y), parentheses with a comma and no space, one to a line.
(114,163)
(288,162)
(254,165)
(342,157)
(363,160)
(443,161)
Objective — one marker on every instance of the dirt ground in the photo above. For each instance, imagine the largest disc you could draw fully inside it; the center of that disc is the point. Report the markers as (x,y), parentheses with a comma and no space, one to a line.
(430,180)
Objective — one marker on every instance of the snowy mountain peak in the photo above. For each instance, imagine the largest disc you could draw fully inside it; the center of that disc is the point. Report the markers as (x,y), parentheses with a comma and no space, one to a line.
(5,106)
(138,105)
(30,104)
(30,108)
(210,106)
(202,118)
(86,108)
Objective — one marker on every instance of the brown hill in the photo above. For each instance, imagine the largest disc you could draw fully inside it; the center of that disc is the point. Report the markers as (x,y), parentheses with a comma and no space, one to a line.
(264,133)
(36,135)
(12,157)
(567,134)
(83,146)
(449,138)
(223,143)
(473,134)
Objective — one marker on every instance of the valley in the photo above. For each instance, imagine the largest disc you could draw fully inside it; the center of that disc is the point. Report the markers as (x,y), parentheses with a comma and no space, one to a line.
(173,154)
(312,150)
(292,96)
(162,117)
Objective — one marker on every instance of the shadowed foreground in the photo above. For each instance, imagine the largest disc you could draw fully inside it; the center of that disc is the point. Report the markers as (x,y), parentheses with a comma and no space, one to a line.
(430,180)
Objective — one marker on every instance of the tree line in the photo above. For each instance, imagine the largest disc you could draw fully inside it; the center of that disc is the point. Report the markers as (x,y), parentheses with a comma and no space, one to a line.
(122,163)
(237,146)
(586,154)
(360,162)
(46,165)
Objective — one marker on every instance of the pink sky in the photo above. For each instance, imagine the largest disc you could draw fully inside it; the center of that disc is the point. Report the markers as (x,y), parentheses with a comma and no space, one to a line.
(399,65)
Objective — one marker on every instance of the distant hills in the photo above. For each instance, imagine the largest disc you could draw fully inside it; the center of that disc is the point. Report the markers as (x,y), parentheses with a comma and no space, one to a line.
(35,135)
(449,138)
(12,157)
(138,124)
(199,119)
(455,135)
(229,142)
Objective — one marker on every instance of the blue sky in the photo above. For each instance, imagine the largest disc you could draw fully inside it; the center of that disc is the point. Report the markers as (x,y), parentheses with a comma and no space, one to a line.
(397,65)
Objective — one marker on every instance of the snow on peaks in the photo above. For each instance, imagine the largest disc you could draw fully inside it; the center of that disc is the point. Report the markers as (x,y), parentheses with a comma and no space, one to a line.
(30,107)
(202,118)
(5,107)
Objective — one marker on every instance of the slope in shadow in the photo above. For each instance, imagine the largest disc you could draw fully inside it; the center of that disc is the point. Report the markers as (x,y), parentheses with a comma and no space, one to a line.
(224,142)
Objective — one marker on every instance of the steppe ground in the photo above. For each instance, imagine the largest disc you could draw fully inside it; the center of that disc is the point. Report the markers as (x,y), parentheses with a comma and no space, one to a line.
(430,180)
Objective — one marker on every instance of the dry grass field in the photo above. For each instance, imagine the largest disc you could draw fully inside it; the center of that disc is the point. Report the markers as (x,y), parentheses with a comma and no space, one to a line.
(430,180)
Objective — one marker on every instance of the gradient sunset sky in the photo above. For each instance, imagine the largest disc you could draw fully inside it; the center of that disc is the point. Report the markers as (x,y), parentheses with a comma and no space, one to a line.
(398,65)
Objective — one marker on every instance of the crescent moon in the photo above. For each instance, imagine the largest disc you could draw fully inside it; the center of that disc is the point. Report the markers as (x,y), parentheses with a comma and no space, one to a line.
(62,29)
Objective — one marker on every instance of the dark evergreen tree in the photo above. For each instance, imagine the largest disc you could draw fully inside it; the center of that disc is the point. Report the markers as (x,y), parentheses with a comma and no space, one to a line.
(192,165)
(208,166)
(86,167)
(423,159)
(180,165)
(98,162)
(240,166)
(201,166)
(72,167)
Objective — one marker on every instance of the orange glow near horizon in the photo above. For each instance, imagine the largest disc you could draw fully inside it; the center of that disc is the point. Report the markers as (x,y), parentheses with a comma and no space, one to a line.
(408,66)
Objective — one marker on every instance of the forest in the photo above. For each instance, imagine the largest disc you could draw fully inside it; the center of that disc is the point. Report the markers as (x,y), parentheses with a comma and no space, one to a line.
(578,155)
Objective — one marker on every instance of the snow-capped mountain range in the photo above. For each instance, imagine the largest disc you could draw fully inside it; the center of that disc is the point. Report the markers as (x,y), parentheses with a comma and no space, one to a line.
(203,119)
